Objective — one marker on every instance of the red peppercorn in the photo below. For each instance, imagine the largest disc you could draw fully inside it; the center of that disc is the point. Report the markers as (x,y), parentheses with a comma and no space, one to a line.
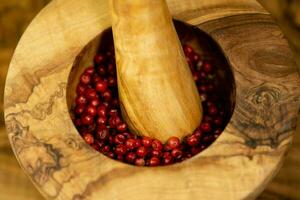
(195,150)
(196,76)
(94,102)
(198,133)
(79,110)
(188,50)
(140,162)
(114,121)
(177,153)
(212,110)
(195,57)
(111,69)
(96,78)
(111,81)
(119,139)
(91,110)
(173,142)
(101,86)
(98,59)
(147,141)
(167,160)
(156,153)
(192,140)
(105,149)
(107,95)
(89,70)
(157,145)
(103,134)
(113,112)
(130,157)
(101,120)
(101,69)
(120,157)
(78,123)
(154,161)
(91,94)
(138,143)
(218,121)
(106,104)
(87,120)
(89,138)
(122,127)
(199,65)
(110,154)
(203,88)
(205,127)
(115,103)
(142,152)
(207,67)
(85,78)
(130,144)
(102,111)
(121,149)
(203,76)
(80,100)
(80,89)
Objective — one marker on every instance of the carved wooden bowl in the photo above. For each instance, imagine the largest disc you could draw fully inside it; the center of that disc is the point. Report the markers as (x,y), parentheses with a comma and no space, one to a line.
(238,165)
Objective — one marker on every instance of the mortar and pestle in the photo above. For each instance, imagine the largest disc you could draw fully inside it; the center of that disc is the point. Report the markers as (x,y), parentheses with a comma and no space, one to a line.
(157,95)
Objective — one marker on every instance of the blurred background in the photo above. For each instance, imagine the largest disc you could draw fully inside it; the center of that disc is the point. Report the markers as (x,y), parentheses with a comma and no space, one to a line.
(15,15)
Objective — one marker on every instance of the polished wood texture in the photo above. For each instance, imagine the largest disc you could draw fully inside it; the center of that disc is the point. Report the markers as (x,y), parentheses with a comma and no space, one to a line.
(159,97)
(15,16)
(237,166)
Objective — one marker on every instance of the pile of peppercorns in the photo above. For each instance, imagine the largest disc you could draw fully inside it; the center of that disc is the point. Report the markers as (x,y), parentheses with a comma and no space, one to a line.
(98,119)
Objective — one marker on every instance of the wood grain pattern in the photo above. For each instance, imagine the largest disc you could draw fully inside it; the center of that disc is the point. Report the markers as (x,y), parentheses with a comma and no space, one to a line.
(15,16)
(158,95)
(237,166)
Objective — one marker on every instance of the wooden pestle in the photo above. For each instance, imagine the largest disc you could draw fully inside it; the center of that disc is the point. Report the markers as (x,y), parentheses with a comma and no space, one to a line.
(157,92)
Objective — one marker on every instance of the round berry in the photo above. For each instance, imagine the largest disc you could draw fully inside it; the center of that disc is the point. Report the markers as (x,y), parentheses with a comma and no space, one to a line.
(89,138)
(147,141)
(192,140)
(142,152)
(173,142)
(101,86)
(154,161)
(157,145)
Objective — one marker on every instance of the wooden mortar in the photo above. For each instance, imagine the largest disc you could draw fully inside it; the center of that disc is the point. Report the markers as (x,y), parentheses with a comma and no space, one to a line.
(238,165)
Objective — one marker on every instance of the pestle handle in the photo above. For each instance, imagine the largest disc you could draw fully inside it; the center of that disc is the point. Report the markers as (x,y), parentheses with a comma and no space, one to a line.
(157,92)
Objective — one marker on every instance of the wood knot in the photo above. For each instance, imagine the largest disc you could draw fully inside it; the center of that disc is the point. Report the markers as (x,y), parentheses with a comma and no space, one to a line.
(262,115)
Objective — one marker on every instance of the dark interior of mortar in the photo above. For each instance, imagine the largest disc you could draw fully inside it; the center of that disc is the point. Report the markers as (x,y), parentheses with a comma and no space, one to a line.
(202,43)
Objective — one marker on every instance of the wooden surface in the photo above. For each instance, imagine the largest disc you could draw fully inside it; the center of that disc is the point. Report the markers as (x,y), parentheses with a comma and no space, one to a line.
(158,95)
(285,186)
(238,165)
(15,15)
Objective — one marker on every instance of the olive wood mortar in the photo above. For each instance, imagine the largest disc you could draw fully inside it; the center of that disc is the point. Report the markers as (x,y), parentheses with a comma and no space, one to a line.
(238,165)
